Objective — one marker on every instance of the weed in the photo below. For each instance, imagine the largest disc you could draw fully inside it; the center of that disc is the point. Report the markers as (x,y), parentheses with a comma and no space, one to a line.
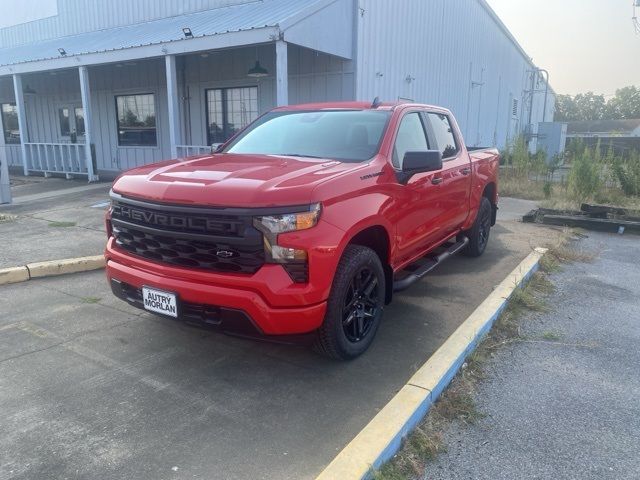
(62,224)
(91,300)
(585,178)
(552,336)
(6,218)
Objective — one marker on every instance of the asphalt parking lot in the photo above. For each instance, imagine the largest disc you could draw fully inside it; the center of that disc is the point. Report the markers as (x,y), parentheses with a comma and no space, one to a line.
(90,387)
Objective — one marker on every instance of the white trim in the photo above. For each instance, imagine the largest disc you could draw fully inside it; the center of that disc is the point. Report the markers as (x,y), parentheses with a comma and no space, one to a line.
(22,120)
(173,105)
(282,73)
(85,94)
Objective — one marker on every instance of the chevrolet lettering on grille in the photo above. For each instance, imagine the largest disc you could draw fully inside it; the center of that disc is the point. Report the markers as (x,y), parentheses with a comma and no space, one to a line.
(202,224)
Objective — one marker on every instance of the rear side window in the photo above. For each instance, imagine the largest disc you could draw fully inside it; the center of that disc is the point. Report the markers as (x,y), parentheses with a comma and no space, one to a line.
(411,138)
(444,134)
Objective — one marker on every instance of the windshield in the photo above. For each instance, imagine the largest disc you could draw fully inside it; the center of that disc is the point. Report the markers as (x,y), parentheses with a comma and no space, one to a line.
(344,135)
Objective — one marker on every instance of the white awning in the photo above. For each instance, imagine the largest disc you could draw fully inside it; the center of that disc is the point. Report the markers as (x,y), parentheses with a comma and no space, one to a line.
(257,22)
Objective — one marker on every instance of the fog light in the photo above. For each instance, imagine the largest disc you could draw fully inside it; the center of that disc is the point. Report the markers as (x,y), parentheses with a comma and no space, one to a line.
(284,255)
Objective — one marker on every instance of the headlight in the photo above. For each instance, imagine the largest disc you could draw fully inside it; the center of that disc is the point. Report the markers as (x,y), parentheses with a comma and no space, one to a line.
(294,261)
(275,224)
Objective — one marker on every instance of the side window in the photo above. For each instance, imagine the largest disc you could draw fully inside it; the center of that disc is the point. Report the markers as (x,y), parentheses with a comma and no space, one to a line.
(444,135)
(411,138)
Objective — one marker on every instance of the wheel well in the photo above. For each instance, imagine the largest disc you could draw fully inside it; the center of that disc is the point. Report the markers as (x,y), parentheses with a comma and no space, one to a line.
(490,192)
(377,239)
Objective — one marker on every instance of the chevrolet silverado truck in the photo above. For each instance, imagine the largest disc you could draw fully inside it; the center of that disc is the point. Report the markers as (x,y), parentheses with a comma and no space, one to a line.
(303,225)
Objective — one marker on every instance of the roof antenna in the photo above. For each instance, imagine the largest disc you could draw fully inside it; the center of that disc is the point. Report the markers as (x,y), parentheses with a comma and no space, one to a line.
(376,103)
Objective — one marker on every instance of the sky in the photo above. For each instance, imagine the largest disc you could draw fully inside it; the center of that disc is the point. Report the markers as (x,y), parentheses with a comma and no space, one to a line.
(29,10)
(587,45)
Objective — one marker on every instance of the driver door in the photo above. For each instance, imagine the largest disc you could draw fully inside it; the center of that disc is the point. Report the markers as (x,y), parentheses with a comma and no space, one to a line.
(419,205)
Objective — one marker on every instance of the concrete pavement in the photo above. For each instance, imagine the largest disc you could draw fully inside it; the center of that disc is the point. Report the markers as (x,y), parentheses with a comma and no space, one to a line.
(52,219)
(88,384)
(568,407)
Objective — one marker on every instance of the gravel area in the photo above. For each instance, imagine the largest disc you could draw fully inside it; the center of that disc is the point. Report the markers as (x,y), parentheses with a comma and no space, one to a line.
(566,408)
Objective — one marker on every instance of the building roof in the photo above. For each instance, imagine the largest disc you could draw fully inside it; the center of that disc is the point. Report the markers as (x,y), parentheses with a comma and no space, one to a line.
(603,127)
(236,18)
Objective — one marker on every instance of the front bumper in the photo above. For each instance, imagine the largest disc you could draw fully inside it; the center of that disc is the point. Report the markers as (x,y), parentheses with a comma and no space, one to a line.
(243,311)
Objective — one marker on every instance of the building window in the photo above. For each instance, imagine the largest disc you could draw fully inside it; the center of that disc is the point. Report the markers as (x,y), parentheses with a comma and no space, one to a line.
(65,123)
(229,110)
(78,113)
(10,123)
(443,135)
(136,120)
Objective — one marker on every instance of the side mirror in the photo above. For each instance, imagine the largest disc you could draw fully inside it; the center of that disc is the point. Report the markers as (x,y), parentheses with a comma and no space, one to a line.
(420,162)
(217,147)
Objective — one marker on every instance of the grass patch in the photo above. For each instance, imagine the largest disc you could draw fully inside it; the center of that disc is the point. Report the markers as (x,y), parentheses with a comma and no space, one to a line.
(91,300)
(560,198)
(566,250)
(62,224)
(457,403)
(551,336)
(6,218)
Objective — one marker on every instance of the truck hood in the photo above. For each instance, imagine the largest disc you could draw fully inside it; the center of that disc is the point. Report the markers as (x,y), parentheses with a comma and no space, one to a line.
(230,180)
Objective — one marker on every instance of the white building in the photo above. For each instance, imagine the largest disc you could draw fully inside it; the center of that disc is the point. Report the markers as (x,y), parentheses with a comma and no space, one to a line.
(147,80)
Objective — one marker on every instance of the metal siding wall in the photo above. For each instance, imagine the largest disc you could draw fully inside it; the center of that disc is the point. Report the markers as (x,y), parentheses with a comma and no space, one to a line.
(78,16)
(445,45)
(108,81)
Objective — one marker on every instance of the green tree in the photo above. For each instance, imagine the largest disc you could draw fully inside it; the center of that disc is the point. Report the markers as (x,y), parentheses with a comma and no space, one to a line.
(626,104)
(590,106)
(566,110)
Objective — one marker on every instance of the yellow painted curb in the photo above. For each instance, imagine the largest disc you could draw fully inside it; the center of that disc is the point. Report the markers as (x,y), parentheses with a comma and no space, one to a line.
(13,275)
(50,269)
(61,267)
(382,437)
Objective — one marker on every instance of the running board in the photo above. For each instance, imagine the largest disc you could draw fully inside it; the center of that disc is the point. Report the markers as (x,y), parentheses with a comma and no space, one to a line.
(429,264)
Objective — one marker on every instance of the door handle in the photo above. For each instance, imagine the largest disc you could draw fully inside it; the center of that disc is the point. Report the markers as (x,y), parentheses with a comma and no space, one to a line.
(437,180)
(465,171)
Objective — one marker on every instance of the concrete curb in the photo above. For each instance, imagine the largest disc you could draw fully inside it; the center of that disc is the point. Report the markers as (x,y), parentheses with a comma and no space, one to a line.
(382,437)
(50,269)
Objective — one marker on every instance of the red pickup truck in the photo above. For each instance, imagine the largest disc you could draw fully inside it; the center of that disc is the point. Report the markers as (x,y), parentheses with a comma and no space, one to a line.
(304,224)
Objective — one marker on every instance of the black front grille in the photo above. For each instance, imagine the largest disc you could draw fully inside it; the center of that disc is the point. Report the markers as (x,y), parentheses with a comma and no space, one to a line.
(189,253)
(188,237)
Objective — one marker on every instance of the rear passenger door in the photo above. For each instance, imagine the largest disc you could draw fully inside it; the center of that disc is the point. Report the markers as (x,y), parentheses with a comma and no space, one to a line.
(455,191)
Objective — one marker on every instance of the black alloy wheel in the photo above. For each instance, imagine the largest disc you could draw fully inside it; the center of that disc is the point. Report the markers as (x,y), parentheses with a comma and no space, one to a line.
(360,305)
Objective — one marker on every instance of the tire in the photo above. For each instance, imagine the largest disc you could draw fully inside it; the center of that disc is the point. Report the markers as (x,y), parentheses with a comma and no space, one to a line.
(355,305)
(480,231)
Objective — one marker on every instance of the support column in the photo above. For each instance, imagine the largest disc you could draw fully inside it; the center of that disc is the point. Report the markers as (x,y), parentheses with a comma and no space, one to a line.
(5,184)
(282,74)
(85,93)
(22,120)
(173,100)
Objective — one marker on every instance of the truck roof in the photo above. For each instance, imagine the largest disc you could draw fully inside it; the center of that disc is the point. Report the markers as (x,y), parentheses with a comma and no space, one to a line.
(351,106)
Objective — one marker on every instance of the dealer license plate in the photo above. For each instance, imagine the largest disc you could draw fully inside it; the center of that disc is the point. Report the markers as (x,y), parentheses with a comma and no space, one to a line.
(160,302)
